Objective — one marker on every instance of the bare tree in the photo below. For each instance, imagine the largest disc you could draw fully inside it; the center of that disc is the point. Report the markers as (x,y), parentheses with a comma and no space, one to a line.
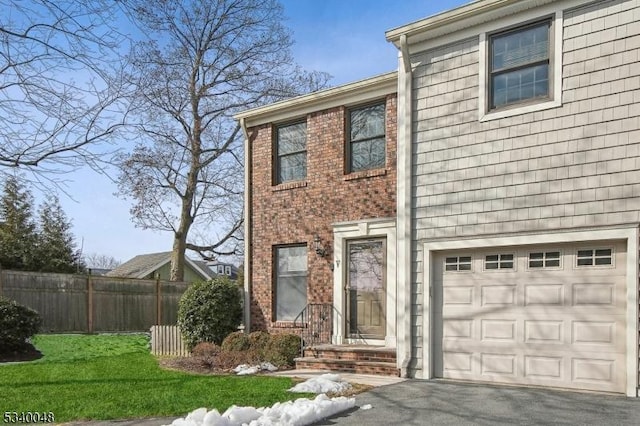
(203,62)
(58,96)
(101,261)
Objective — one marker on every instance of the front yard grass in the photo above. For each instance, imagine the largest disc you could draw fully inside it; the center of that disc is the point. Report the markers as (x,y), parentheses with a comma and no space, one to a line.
(102,377)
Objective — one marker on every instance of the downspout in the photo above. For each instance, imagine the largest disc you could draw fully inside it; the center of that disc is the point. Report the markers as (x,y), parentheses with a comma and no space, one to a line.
(247,227)
(403,207)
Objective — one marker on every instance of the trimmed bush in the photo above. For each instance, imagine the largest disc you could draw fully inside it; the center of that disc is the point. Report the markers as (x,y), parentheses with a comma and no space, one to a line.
(206,349)
(208,311)
(17,324)
(258,341)
(283,349)
(236,341)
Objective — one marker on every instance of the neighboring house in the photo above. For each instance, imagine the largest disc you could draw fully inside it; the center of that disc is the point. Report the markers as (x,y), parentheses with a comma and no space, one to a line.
(518,199)
(99,271)
(223,268)
(158,265)
(321,183)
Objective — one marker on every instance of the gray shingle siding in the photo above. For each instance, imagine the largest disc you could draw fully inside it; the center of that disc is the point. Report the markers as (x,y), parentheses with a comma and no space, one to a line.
(572,166)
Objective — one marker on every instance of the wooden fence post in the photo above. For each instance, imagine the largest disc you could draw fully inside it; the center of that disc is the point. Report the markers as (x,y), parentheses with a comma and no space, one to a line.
(89,303)
(158,301)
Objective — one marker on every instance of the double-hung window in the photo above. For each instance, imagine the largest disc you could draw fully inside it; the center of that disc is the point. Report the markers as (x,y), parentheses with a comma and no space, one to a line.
(519,65)
(366,147)
(291,282)
(291,153)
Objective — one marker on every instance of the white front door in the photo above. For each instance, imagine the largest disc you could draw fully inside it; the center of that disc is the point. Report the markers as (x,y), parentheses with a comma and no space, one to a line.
(366,289)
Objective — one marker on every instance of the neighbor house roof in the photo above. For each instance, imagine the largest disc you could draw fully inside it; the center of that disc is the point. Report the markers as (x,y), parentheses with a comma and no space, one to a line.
(144,264)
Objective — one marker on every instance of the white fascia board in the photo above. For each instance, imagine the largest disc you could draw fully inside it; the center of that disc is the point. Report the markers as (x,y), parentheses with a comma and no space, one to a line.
(454,20)
(345,95)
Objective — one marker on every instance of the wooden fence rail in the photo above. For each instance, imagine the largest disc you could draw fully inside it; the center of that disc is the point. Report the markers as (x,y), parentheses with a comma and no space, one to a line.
(79,303)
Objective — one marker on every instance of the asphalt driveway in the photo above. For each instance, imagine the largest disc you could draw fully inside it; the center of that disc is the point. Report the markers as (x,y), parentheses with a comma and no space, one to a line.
(418,402)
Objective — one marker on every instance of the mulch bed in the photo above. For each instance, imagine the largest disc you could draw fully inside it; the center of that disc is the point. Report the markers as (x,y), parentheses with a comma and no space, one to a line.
(26,353)
(200,365)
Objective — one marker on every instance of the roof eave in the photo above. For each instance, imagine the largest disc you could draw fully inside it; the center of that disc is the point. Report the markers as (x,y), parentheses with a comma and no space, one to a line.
(465,16)
(335,96)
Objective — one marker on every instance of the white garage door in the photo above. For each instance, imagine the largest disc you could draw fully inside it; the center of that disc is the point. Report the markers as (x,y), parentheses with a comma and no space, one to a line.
(535,315)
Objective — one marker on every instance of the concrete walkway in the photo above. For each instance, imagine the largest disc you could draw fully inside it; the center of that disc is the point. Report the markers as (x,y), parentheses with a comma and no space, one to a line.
(363,379)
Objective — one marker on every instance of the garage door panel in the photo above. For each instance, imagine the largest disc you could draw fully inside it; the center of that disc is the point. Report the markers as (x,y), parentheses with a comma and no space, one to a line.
(600,294)
(544,294)
(563,327)
(544,331)
(498,364)
(544,367)
(498,295)
(498,330)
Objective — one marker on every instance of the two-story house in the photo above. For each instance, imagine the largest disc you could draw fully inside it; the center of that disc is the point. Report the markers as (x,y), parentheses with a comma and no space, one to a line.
(519,161)
(513,235)
(321,214)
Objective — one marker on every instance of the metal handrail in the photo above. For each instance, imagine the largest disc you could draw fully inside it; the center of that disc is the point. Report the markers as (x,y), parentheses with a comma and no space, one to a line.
(316,321)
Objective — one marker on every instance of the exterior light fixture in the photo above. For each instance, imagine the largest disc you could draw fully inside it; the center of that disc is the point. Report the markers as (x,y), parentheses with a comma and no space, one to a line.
(317,246)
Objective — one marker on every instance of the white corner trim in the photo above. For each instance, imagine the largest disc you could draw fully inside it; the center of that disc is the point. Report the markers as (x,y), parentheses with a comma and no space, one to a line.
(403,209)
(247,226)
(629,233)
(632,313)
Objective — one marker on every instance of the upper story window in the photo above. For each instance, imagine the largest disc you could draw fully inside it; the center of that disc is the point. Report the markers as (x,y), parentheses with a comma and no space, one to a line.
(520,65)
(291,152)
(520,69)
(366,147)
(227,270)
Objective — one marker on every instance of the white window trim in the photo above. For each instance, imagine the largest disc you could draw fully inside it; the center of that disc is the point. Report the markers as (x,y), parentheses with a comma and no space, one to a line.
(629,234)
(458,271)
(544,267)
(556,96)
(593,248)
(499,269)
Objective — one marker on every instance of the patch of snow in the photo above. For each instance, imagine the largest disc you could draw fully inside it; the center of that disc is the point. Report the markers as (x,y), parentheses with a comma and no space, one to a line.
(300,412)
(366,407)
(245,369)
(322,384)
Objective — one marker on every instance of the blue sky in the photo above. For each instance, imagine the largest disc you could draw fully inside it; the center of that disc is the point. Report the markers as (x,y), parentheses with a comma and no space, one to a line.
(342,37)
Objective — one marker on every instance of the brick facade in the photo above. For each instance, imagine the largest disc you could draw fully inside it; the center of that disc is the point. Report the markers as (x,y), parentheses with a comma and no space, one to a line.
(293,212)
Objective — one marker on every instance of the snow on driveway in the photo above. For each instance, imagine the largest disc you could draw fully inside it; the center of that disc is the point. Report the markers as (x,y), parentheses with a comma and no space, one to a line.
(302,411)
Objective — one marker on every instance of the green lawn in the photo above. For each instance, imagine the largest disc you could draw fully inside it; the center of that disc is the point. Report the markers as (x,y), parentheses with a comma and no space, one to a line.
(115,377)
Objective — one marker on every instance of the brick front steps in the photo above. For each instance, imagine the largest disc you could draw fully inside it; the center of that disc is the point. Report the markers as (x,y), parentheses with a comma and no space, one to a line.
(357,359)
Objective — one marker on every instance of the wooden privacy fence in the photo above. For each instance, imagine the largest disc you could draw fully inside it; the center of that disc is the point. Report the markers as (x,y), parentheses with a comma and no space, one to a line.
(89,304)
(167,340)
